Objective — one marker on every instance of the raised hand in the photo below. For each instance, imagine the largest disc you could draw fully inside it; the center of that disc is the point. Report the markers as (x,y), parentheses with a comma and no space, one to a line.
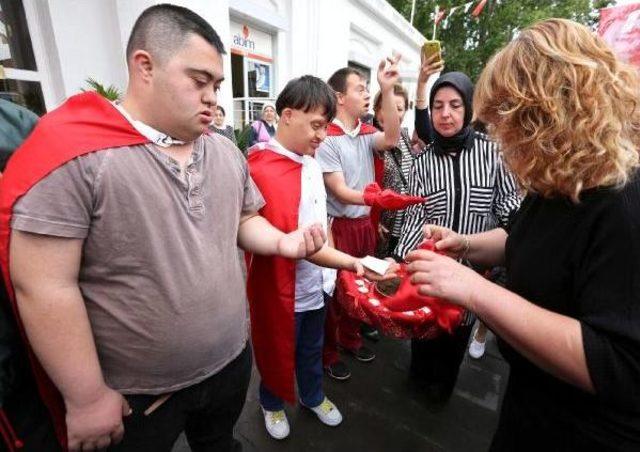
(388,74)
(430,66)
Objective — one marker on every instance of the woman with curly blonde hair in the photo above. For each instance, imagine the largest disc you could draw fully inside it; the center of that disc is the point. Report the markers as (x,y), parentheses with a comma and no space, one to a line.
(566,113)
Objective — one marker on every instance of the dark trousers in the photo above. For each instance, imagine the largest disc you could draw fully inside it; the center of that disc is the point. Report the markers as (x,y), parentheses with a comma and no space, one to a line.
(30,419)
(435,362)
(309,339)
(206,412)
(354,236)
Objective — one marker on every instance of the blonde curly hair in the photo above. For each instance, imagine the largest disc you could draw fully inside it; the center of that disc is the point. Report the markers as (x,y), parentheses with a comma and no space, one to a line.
(565,110)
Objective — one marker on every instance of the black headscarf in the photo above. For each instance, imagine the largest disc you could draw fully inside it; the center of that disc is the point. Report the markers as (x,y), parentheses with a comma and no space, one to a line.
(464,138)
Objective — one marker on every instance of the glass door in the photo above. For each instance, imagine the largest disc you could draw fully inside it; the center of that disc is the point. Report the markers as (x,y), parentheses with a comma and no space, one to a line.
(19,77)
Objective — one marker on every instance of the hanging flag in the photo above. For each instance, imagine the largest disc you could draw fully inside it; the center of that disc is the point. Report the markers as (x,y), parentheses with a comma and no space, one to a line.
(479,7)
(445,24)
(440,15)
(467,7)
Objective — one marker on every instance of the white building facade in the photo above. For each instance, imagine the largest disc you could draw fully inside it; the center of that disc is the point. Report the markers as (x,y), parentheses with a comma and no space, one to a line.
(48,48)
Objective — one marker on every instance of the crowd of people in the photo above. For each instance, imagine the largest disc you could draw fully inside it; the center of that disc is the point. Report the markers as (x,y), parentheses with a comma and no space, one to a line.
(125,297)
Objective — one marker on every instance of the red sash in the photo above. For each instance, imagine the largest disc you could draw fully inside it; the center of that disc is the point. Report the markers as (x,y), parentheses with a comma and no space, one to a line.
(271,280)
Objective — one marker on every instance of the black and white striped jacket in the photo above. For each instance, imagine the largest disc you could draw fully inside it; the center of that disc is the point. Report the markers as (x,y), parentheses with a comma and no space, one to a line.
(469,192)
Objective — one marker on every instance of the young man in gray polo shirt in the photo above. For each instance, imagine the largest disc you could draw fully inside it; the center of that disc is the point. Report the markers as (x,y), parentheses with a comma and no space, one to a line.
(125,265)
(346,159)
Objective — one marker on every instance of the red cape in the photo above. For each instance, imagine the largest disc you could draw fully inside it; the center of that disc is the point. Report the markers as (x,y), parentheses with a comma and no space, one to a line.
(84,123)
(334,130)
(271,282)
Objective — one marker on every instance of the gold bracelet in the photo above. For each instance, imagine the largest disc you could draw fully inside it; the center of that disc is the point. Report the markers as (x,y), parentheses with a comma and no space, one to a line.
(467,245)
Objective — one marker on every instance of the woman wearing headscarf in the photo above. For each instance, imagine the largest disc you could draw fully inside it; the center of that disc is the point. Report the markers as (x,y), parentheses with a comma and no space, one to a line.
(468,190)
(567,112)
(264,129)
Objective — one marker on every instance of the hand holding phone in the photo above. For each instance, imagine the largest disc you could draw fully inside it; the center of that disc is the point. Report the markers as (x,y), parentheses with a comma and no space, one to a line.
(431,60)
(429,49)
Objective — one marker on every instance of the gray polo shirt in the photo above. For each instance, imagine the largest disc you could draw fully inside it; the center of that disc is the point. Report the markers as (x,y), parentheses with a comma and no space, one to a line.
(353,156)
(160,272)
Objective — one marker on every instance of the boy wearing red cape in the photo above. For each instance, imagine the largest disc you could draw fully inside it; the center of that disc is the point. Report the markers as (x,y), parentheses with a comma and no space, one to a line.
(287,298)
(119,230)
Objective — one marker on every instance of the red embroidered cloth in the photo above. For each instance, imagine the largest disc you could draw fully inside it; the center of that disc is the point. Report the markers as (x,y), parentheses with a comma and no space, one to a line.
(404,315)
(428,321)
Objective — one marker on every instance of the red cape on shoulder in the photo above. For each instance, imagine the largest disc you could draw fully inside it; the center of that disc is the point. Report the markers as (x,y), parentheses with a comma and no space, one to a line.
(84,123)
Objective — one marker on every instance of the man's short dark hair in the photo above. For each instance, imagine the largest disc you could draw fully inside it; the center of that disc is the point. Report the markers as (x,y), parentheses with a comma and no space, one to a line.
(307,93)
(163,29)
(338,81)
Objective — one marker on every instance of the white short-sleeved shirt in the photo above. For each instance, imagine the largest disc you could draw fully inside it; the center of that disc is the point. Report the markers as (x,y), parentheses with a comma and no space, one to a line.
(311,279)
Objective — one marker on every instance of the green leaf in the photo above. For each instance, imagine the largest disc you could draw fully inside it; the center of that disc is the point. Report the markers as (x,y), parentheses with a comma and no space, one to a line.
(111,92)
(469,42)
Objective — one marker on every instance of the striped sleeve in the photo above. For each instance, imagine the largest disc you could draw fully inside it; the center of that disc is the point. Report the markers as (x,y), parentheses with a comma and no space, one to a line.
(508,198)
(415,216)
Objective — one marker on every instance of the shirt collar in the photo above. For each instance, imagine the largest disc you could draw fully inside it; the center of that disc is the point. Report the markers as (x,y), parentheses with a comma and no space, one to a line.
(280,149)
(156,137)
(352,133)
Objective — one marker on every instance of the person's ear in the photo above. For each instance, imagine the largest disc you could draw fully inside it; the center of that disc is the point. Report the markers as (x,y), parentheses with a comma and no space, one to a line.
(142,65)
(340,98)
(286,116)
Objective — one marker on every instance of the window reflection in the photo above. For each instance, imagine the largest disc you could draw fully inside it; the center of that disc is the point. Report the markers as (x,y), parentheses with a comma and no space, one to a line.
(27,94)
(16,50)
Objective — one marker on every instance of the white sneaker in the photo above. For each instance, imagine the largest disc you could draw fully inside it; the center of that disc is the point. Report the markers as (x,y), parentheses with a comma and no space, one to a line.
(327,412)
(276,423)
(476,349)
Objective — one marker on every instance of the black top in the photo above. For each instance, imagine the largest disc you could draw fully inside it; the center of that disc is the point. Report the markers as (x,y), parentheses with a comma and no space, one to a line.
(226,132)
(422,123)
(582,261)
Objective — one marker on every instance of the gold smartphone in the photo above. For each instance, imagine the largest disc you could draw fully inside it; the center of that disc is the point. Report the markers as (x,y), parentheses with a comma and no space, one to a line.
(429,48)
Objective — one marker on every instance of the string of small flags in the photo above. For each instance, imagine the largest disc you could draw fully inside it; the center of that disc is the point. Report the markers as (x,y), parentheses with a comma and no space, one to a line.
(444,14)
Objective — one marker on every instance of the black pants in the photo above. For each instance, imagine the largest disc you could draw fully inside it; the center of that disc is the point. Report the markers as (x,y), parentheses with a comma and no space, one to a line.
(206,412)
(435,362)
(30,419)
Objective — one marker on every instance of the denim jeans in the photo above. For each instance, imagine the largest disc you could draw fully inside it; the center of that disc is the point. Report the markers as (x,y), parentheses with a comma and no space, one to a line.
(206,412)
(309,339)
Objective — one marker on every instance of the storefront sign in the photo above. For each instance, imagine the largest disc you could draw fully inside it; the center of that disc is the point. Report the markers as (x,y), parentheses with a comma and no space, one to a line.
(251,42)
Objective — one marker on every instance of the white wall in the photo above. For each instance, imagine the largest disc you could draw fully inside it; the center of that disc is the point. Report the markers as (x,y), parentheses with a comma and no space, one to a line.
(310,37)
(86,37)
(365,31)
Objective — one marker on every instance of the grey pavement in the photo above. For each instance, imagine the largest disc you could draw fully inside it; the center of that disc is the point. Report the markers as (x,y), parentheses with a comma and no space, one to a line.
(383,411)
